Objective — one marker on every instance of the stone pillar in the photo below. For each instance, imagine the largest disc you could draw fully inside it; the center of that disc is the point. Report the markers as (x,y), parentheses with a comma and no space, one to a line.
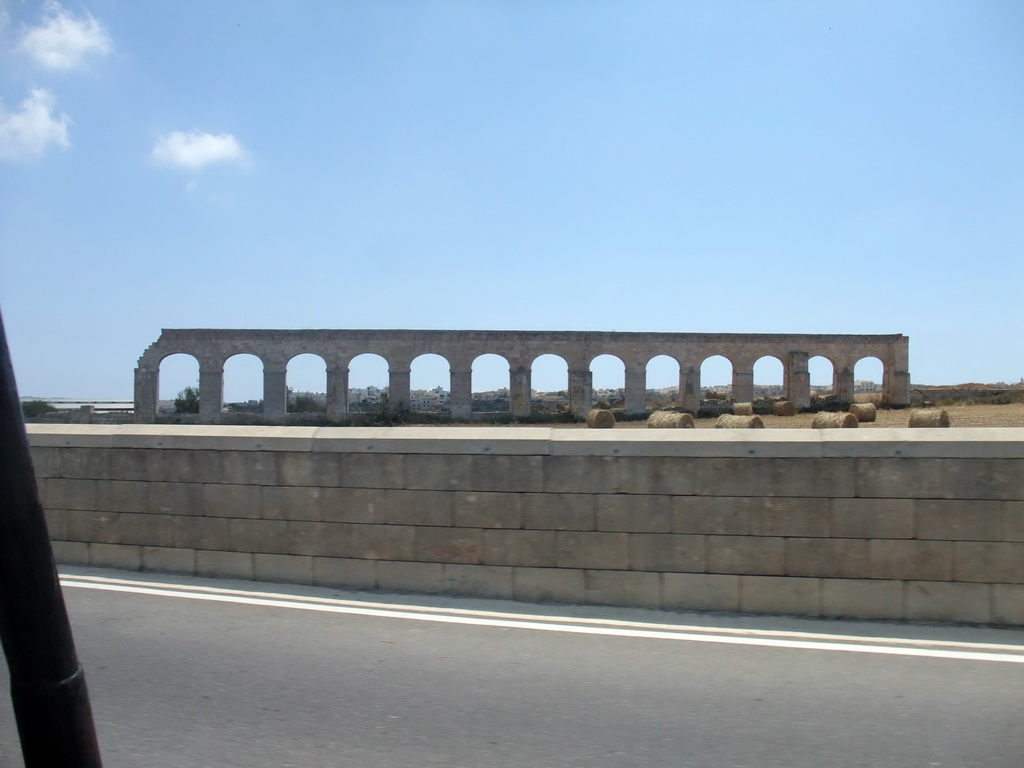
(896,375)
(147,382)
(743,383)
(211,395)
(636,389)
(689,388)
(581,392)
(797,380)
(398,389)
(461,394)
(275,395)
(842,384)
(520,389)
(337,392)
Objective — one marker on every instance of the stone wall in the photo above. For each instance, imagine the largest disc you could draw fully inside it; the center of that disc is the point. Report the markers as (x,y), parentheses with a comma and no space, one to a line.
(884,524)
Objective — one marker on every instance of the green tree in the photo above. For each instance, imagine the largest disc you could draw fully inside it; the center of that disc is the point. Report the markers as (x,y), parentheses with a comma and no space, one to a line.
(187,400)
(36,408)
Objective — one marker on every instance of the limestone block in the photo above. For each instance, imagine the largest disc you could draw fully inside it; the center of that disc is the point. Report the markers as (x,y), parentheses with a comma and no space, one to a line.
(70,552)
(983,479)
(354,505)
(148,530)
(88,463)
(829,478)
(294,569)
(225,565)
(91,526)
(948,601)
(488,510)
(667,552)
(210,533)
(372,470)
(175,498)
(63,493)
(644,514)
(56,524)
(319,539)
(344,572)
(258,536)
(907,559)
(123,495)
(957,520)
(592,549)
(786,516)
(668,475)
(764,555)
(492,581)
(734,477)
(438,472)
(189,466)
(521,548)
(291,503)
(903,478)
(727,515)
(309,469)
(384,542)
(632,588)
(249,467)
(538,585)
(862,599)
(989,561)
(785,595)
(1013,520)
(133,463)
(835,558)
(411,577)
(419,507)
(231,501)
(449,545)
(580,474)
(700,591)
(169,560)
(872,518)
(125,556)
(559,511)
(517,474)
(1008,604)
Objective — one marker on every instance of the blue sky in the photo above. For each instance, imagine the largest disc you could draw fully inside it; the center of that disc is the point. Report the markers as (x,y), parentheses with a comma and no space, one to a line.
(804,167)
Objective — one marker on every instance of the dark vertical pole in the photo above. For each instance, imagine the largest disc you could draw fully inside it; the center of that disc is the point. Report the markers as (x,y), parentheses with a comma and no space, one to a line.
(51,703)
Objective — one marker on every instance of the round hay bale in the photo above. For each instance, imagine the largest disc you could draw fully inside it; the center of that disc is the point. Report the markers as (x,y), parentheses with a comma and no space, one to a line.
(599,418)
(602,405)
(669,420)
(732,421)
(742,409)
(827,420)
(784,408)
(929,417)
(864,411)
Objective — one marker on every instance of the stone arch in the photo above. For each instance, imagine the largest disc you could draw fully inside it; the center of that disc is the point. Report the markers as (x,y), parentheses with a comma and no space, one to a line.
(430,383)
(608,380)
(306,383)
(869,378)
(821,371)
(177,371)
(661,386)
(769,377)
(243,394)
(715,377)
(490,374)
(367,381)
(549,383)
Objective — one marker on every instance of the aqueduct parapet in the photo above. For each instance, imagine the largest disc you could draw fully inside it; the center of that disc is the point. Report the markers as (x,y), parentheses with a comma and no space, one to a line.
(212,347)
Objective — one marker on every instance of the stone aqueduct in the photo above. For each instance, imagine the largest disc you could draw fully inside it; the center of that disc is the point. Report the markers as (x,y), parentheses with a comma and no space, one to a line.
(212,347)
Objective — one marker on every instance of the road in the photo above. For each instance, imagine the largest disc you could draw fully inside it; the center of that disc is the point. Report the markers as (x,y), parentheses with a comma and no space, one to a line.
(190,672)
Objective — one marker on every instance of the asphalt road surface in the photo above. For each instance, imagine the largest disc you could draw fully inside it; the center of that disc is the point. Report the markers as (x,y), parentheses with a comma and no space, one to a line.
(190,672)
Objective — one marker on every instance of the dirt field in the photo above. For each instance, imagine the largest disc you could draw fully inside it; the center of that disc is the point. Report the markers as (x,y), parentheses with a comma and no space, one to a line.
(959,416)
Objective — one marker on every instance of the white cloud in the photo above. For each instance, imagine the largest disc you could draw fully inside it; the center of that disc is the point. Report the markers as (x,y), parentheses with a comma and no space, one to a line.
(62,41)
(193,150)
(28,132)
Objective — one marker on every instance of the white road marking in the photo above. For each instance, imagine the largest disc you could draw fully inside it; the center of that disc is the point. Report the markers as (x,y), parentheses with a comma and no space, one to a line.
(765,638)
